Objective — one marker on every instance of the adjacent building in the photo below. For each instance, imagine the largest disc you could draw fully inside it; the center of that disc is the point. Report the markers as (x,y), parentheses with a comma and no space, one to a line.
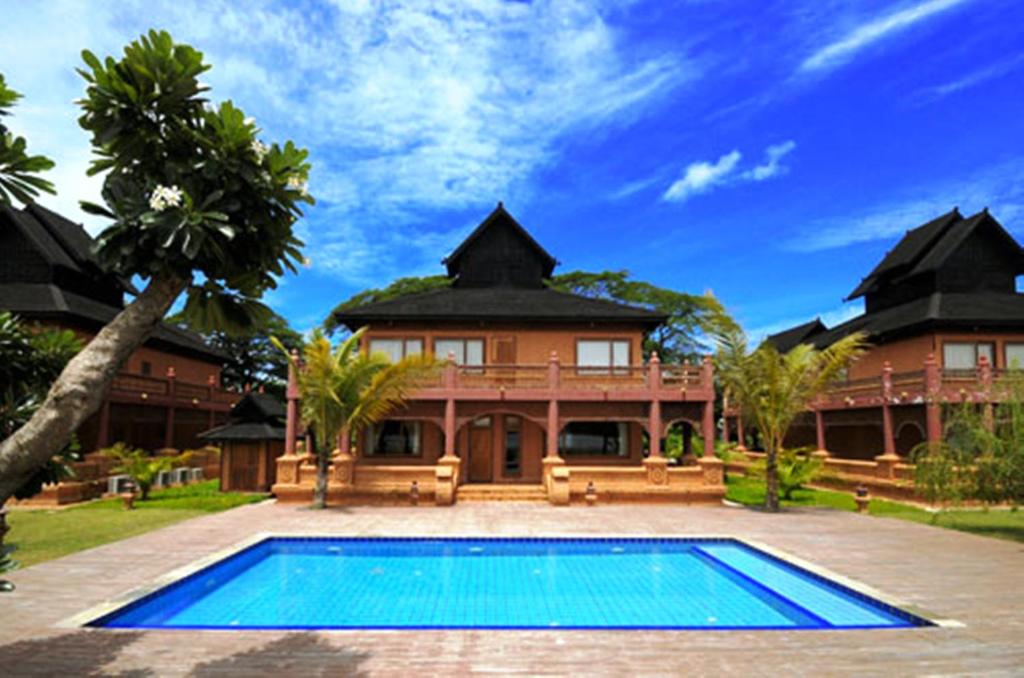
(544,395)
(945,321)
(169,389)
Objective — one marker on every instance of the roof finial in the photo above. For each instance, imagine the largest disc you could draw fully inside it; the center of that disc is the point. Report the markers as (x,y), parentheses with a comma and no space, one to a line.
(501,205)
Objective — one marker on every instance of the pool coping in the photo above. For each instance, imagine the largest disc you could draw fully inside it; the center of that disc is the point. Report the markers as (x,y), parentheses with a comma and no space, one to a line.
(82,620)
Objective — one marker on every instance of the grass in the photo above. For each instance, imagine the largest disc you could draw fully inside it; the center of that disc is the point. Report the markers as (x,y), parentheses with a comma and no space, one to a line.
(1001,523)
(43,534)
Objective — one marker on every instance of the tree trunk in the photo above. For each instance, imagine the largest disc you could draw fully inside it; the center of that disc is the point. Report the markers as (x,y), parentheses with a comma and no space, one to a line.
(320,491)
(81,387)
(771,475)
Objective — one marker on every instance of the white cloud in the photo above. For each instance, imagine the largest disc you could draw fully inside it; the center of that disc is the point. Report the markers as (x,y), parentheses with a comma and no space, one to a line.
(701,177)
(839,52)
(772,166)
(409,110)
(1001,189)
(991,72)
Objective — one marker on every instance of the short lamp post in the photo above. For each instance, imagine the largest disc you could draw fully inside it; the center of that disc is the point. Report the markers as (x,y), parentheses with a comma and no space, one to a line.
(862,498)
(414,493)
(591,494)
(128,495)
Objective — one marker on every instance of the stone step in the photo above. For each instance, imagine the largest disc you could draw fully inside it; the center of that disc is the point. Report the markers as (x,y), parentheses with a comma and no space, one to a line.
(496,492)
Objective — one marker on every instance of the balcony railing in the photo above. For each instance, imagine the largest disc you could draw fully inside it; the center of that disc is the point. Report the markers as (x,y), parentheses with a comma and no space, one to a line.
(555,376)
(171,388)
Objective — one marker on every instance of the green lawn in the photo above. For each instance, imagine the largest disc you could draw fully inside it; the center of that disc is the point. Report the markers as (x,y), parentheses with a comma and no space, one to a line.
(994,523)
(42,534)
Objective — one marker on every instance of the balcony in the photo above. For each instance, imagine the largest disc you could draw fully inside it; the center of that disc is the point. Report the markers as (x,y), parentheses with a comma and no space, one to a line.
(170,391)
(557,381)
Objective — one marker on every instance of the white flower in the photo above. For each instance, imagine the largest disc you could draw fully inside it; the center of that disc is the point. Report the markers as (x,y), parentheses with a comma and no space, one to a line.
(164,197)
(295,183)
(260,149)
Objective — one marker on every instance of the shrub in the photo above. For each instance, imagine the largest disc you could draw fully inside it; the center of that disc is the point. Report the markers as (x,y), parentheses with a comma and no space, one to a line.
(142,467)
(796,468)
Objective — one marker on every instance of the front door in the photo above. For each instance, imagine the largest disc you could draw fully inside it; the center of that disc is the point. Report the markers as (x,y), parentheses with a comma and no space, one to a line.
(481,461)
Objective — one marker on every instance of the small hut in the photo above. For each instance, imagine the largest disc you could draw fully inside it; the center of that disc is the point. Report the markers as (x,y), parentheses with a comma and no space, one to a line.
(250,443)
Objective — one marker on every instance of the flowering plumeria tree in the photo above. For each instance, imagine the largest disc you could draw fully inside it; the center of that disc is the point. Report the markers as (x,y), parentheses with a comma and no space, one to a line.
(197,204)
(18,169)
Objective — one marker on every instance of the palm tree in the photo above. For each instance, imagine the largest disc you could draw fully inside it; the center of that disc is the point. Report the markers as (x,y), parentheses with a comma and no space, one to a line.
(344,389)
(772,388)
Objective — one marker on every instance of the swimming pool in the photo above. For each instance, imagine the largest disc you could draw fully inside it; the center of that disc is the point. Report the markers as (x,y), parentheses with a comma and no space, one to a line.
(543,583)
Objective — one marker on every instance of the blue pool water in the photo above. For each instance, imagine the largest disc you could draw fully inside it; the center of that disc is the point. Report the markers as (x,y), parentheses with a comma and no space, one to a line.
(314,583)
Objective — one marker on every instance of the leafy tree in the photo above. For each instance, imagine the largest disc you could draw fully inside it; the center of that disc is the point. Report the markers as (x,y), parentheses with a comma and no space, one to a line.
(30,359)
(142,467)
(342,387)
(795,469)
(252,360)
(196,203)
(691,318)
(981,455)
(17,167)
(772,388)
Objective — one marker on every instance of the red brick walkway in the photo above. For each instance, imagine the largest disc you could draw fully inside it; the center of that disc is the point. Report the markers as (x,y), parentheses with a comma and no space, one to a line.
(975,580)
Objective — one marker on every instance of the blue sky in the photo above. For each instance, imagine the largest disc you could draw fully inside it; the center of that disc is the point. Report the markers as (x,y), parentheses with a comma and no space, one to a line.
(768,151)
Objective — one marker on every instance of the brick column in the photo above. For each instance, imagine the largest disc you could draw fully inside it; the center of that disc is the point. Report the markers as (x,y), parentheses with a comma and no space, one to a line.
(172,394)
(292,394)
(933,391)
(888,459)
(654,420)
(557,488)
(708,382)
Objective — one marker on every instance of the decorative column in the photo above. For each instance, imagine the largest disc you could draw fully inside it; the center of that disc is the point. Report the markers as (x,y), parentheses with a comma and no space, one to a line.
(169,420)
(655,463)
(289,462)
(446,473)
(888,459)
(556,474)
(985,382)
(933,406)
(708,382)
(344,463)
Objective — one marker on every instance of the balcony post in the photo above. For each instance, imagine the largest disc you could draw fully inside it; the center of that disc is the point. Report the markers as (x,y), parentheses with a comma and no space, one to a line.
(451,379)
(888,459)
(654,422)
(292,395)
(211,387)
(708,382)
(985,381)
(171,394)
(933,391)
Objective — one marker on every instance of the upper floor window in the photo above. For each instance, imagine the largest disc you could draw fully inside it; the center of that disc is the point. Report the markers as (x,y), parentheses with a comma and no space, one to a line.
(396,348)
(599,356)
(147,368)
(466,351)
(1015,355)
(964,355)
(395,438)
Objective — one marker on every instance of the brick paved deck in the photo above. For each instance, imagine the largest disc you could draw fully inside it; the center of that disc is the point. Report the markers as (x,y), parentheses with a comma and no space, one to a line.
(975,580)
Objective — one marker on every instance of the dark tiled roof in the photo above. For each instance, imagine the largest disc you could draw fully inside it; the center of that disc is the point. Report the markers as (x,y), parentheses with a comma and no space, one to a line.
(789,339)
(967,311)
(498,303)
(244,431)
(258,407)
(499,214)
(66,245)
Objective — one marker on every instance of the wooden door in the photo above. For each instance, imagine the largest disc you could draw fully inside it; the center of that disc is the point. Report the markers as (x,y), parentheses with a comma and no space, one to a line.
(244,469)
(505,357)
(481,457)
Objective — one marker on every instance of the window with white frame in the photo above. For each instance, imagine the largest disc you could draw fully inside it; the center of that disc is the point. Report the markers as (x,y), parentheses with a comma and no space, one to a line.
(466,351)
(396,348)
(1014,355)
(964,355)
(395,439)
(601,356)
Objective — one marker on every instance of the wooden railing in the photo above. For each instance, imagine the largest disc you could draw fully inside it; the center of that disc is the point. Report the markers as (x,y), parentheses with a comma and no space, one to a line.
(170,387)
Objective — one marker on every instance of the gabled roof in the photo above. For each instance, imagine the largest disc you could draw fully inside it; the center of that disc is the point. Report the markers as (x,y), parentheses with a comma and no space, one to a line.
(497,304)
(498,217)
(258,407)
(787,340)
(908,251)
(87,301)
(243,431)
(257,416)
(926,248)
